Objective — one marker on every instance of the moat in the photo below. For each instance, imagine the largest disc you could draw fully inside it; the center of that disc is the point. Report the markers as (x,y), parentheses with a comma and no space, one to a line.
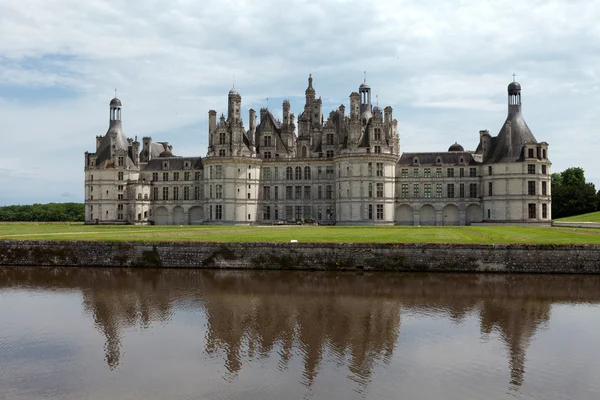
(95,333)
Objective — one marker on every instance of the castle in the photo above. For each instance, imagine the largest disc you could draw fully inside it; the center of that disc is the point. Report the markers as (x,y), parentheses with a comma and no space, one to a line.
(343,169)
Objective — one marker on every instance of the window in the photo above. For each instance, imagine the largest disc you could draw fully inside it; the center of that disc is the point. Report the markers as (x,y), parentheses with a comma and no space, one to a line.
(404,194)
(370,212)
(197,193)
(379,190)
(370,169)
(370,189)
(91,177)
(416,190)
(450,172)
(198,175)
(186,192)
(544,211)
(176,193)
(380,211)
(307,173)
(377,135)
(120,176)
(472,172)
(328,192)
(267,140)
(146,196)
(329,139)
(120,211)
(544,188)
(120,196)
(218,191)
(404,173)
(276,194)
(438,172)
(222,152)
(267,155)
(461,190)
(267,173)
(221,137)
(307,194)
(450,190)
(377,149)
(289,193)
(219,211)
(461,172)
(472,190)
(266,193)
(165,193)
(427,172)
(490,170)
(544,170)
(276,173)
(298,173)
(329,172)
(530,154)
(532,211)
(186,176)
(490,186)
(298,213)
(320,192)
(155,193)
(210,192)
(289,174)
(544,154)
(266,212)
(211,172)
(531,168)
(531,188)
(329,154)
(427,190)
(415,172)
(121,161)
(219,172)
(165,176)
(120,188)
(379,169)
(175,176)
(438,190)
(298,192)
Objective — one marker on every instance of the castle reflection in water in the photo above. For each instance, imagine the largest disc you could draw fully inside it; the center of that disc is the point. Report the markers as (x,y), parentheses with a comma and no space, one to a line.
(355,320)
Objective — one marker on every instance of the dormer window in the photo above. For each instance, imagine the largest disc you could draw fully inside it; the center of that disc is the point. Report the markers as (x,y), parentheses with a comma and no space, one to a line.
(187,164)
(439,160)
(462,160)
(165,165)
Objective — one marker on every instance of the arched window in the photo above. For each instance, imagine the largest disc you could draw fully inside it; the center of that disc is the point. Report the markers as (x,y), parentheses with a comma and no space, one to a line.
(307,173)
(289,173)
(298,173)
(304,152)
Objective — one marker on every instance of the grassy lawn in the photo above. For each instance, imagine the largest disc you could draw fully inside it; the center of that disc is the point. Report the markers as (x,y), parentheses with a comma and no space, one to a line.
(590,217)
(334,234)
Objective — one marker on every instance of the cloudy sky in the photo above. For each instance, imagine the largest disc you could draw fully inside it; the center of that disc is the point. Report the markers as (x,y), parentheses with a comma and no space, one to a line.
(442,65)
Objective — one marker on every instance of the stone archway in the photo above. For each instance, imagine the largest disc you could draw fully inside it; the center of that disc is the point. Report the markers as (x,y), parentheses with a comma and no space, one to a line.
(405,215)
(161,216)
(474,214)
(178,216)
(427,215)
(196,215)
(451,215)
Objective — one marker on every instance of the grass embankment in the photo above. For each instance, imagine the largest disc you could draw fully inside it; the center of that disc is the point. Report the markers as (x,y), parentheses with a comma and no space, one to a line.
(590,217)
(320,234)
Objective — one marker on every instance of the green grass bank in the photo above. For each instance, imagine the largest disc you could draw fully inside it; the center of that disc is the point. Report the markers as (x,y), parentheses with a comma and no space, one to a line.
(303,234)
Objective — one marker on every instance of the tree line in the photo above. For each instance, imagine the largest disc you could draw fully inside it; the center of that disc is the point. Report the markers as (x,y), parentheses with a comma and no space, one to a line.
(52,212)
(572,195)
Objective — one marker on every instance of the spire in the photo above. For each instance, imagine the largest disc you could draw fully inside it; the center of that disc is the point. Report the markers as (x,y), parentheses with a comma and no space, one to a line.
(310,81)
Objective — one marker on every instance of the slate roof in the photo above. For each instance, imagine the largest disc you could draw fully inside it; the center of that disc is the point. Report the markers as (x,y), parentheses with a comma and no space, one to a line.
(515,127)
(447,158)
(121,143)
(175,163)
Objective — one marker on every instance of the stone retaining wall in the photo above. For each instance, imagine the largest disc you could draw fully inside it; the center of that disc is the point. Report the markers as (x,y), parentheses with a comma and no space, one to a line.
(395,257)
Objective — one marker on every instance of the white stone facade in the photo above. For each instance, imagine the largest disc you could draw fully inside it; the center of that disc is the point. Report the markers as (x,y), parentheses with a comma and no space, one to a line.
(343,169)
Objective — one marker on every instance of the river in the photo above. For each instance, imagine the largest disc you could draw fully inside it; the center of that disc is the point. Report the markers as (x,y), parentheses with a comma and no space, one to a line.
(74,333)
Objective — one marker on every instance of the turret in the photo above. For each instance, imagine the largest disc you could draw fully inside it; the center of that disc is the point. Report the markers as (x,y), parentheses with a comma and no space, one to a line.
(354,106)
(286,112)
(234,106)
(146,149)
(310,92)
(135,151)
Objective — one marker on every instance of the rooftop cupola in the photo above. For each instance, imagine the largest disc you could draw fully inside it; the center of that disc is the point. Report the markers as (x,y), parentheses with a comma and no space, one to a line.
(365,99)
(115,109)
(310,91)
(514,97)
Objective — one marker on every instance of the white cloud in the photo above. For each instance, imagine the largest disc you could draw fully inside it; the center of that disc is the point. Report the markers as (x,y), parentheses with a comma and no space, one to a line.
(442,66)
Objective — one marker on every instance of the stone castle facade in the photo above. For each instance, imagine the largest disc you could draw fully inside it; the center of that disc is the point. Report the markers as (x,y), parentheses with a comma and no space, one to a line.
(345,169)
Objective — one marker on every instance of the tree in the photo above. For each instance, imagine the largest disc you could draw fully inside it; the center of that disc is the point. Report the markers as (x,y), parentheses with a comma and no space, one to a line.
(52,212)
(571,195)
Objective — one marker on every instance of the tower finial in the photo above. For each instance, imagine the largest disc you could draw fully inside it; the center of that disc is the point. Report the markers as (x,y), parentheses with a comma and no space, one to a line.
(365,76)
(377,99)
(234,81)
(115,93)
(267,103)
(514,77)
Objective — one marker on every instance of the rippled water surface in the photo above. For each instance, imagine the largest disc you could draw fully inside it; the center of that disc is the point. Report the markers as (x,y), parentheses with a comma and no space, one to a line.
(156,334)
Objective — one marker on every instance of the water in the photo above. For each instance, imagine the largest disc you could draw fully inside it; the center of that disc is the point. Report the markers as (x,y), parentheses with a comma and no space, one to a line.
(77,333)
